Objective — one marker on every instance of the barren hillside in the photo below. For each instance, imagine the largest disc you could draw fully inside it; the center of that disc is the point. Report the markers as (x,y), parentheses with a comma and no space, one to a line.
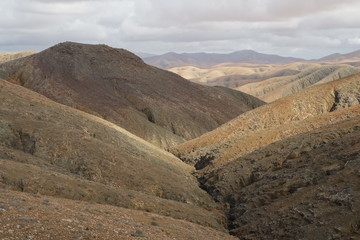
(8,56)
(277,87)
(302,187)
(267,82)
(235,75)
(270,123)
(51,149)
(211,76)
(289,169)
(116,85)
(55,218)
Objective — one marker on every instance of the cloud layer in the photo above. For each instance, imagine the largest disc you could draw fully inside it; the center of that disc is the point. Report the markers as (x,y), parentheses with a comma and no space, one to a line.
(301,28)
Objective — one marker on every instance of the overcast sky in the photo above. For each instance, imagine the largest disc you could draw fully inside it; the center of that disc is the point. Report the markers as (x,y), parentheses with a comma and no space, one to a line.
(300,28)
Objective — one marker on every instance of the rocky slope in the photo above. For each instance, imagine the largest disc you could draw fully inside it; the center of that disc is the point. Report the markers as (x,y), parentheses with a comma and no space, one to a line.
(277,87)
(33,216)
(51,149)
(116,85)
(8,56)
(270,123)
(303,187)
(286,170)
(289,169)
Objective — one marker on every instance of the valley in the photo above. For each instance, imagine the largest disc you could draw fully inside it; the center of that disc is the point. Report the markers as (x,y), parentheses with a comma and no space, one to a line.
(97,144)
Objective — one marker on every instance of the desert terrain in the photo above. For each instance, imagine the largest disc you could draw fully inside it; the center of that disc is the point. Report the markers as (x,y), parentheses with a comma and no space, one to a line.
(118,86)
(8,56)
(266,78)
(277,169)
(96,144)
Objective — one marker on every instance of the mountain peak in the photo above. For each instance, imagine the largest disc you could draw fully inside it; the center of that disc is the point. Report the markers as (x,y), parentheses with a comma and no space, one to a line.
(95,51)
(118,86)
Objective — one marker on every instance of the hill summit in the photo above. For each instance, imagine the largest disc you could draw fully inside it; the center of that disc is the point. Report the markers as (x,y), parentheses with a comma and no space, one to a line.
(118,86)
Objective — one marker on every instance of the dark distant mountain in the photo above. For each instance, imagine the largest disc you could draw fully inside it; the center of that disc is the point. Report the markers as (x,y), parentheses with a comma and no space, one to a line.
(156,105)
(170,60)
(337,57)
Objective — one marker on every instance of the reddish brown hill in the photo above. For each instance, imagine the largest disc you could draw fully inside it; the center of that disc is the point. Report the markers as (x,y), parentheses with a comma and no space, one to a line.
(116,85)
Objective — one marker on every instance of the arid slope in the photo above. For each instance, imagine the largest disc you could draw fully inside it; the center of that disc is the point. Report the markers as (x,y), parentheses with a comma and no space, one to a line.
(116,85)
(270,123)
(33,216)
(50,149)
(267,81)
(277,87)
(8,56)
(289,169)
(302,187)
(230,76)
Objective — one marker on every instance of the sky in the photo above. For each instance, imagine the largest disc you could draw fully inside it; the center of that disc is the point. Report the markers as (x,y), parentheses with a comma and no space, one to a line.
(299,28)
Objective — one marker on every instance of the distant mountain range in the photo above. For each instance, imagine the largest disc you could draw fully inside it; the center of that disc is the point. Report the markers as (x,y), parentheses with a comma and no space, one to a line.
(170,60)
(264,76)
(84,129)
(207,60)
(337,57)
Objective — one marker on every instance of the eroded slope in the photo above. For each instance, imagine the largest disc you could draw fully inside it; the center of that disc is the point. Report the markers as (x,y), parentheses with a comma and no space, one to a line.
(289,169)
(270,123)
(274,88)
(116,85)
(33,216)
(51,149)
(302,187)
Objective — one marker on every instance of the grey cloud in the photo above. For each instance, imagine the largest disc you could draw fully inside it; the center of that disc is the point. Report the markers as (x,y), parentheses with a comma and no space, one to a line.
(300,27)
(189,11)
